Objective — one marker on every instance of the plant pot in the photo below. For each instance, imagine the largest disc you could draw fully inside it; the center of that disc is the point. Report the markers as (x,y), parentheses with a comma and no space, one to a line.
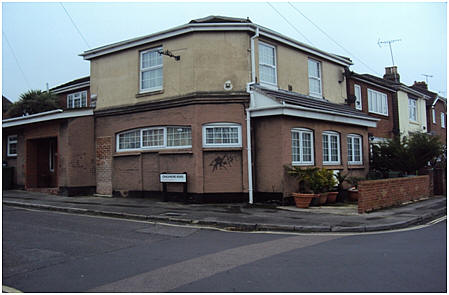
(332,197)
(303,200)
(323,198)
(353,194)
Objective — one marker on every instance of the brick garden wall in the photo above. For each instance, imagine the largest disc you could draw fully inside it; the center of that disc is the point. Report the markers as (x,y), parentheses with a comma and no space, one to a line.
(382,193)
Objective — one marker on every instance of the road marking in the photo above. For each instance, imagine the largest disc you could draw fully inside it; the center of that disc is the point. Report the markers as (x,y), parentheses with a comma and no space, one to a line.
(7,289)
(176,275)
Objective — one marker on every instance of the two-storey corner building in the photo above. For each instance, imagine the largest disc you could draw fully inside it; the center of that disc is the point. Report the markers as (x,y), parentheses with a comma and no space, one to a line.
(436,111)
(373,96)
(227,102)
(53,151)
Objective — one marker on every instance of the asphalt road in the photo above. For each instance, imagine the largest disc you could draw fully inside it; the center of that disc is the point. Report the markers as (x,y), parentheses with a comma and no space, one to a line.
(55,252)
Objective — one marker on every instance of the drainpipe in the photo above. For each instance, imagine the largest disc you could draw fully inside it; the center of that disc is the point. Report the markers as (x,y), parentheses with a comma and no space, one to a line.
(248,117)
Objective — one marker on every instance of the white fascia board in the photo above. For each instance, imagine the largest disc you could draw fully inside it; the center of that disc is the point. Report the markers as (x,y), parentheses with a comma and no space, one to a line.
(261,100)
(436,99)
(374,84)
(165,35)
(412,91)
(46,116)
(282,39)
(210,27)
(294,111)
(71,87)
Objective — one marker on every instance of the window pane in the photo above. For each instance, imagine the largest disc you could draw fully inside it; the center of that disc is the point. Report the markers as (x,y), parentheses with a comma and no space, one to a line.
(266,55)
(151,59)
(267,74)
(314,85)
(152,78)
(350,159)
(314,69)
(334,148)
(357,151)
(295,147)
(325,148)
(306,147)
(129,140)
(179,136)
(153,137)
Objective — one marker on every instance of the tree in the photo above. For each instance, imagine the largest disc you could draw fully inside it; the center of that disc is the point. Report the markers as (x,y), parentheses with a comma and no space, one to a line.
(32,102)
(407,155)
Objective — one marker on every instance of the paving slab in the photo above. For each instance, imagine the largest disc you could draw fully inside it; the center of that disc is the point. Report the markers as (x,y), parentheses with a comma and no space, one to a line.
(338,217)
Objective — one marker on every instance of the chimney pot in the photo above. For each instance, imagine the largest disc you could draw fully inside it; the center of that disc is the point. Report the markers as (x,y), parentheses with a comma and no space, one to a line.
(391,73)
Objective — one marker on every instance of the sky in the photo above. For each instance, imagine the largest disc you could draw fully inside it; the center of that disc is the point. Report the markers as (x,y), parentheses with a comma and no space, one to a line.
(41,41)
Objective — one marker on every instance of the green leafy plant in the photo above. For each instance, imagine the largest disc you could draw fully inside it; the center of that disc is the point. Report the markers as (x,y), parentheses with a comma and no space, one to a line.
(312,180)
(354,180)
(32,102)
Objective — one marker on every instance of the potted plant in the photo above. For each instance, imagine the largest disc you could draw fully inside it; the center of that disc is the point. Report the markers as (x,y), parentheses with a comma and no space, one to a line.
(307,180)
(330,183)
(353,192)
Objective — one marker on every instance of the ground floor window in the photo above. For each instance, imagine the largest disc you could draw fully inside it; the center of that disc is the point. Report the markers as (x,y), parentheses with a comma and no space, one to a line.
(302,146)
(354,149)
(12,146)
(155,137)
(222,135)
(331,148)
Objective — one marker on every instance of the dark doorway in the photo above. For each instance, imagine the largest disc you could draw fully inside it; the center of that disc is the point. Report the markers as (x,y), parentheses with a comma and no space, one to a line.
(42,162)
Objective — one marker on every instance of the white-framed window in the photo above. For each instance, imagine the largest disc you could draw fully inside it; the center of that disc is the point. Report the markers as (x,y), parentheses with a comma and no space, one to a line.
(267,64)
(331,148)
(222,135)
(315,88)
(443,123)
(151,70)
(358,97)
(377,102)
(355,149)
(11,149)
(154,138)
(77,100)
(434,119)
(412,110)
(302,147)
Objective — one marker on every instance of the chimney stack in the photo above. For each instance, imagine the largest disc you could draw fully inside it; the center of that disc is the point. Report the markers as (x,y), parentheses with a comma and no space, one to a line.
(420,85)
(391,73)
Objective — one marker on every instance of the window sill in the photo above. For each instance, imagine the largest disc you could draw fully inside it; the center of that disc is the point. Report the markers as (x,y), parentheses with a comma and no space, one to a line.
(378,114)
(414,122)
(333,166)
(175,151)
(149,93)
(126,154)
(11,156)
(221,148)
(297,164)
(356,166)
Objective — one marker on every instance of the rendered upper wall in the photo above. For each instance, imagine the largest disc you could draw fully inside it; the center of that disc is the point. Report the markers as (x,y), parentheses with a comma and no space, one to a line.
(406,126)
(208,60)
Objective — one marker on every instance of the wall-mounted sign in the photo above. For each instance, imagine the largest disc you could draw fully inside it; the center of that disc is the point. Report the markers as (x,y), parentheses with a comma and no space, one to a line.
(173,177)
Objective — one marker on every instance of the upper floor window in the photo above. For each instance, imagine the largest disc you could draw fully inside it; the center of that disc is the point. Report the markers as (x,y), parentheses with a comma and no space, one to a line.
(315,78)
(331,148)
(151,68)
(77,100)
(354,149)
(412,111)
(434,119)
(302,146)
(154,138)
(222,135)
(443,123)
(358,97)
(267,64)
(377,102)
(12,146)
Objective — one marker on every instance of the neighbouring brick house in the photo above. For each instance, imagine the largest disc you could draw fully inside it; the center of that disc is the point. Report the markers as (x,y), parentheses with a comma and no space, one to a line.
(6,103)
(53,151)
(228,102)
(374,96)
(436,108)
(402,109)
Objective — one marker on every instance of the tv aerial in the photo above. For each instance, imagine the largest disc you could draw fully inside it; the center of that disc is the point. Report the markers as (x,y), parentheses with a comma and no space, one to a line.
(389,42)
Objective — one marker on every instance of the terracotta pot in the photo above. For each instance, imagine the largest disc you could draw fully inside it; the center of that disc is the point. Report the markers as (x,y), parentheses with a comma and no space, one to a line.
(332,197)
(323,198)
(353,194)
(303,200)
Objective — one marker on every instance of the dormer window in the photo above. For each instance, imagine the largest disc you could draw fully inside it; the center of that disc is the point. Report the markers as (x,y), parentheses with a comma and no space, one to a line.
(151,70)
(267,64)
(77,100)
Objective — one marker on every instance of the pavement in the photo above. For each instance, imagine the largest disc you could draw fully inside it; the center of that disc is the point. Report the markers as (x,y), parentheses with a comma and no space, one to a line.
(340,217)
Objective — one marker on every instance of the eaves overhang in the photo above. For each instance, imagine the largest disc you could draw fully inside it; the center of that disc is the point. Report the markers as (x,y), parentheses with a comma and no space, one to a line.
(201,27)
(72,87)
(269,105)
(46,116)
(373,83)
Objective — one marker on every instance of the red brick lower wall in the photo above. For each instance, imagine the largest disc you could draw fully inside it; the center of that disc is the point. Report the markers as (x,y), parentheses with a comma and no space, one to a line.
(382,193)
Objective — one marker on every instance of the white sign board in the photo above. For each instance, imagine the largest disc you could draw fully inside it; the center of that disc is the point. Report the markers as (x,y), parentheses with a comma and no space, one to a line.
(173,177)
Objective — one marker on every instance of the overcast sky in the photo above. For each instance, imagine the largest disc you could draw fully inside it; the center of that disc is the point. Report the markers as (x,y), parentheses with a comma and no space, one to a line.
(41,45)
